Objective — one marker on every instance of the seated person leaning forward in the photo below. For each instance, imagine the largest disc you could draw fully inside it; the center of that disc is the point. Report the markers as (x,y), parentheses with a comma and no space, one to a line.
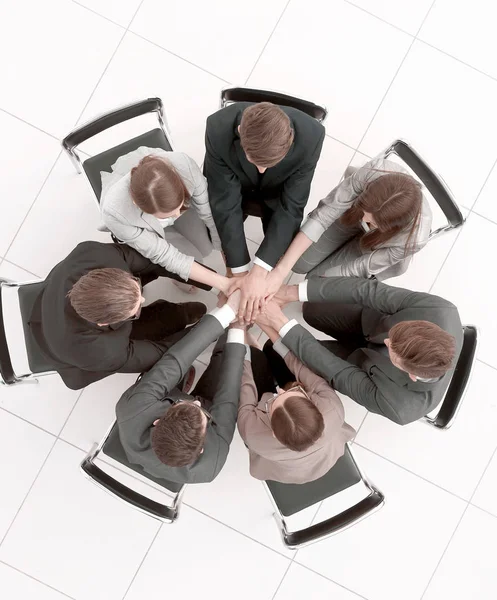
(88,319)
(294,435)
(395,349)
(260,160)
(180,437)
(157,203)
(372,223)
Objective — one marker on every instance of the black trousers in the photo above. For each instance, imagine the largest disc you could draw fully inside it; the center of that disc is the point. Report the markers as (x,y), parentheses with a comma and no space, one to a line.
(253,205)
(340,321)
(206,387)
(160,320)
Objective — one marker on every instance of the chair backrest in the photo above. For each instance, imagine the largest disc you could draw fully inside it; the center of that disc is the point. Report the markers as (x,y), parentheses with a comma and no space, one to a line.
(242,94)
(433,182)
(289,499)
(38,362)
(459,383)
(111,446)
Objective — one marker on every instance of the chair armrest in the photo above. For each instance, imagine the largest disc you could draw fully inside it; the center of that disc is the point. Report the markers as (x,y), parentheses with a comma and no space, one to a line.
(146,505)
(335,524)
(111,118)
(430,179)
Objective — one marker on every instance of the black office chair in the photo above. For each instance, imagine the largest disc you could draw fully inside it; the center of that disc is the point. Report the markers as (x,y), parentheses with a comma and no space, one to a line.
(458,385)
(242,94)
(111,446)
(289,499)
(155,138)
(38,363)
(433,183)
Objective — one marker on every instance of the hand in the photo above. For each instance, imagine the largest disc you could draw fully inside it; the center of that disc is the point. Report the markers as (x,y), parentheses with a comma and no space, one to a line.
(221,299)
(224,285)
(274,281)
(234,301)
(286,294)
(253,289)
(271,316)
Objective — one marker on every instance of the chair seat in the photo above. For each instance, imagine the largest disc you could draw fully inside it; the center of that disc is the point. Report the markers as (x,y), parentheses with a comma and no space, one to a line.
(291,498)
(113,448)
(38,361)
(104,161)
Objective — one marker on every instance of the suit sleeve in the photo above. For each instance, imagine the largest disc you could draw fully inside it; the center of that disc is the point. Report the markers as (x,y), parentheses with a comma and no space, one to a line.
(225,197)
(370,293)
(225,402)
(174,364)
(287,218)
(345,377)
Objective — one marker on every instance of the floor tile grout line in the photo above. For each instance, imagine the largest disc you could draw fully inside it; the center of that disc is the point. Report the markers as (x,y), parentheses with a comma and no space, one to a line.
(101,15)
(282,579)
(486,511)
(267,42)
(474,212)
(329,579)
(413,473)
(28,422)
(486,364)
(70,412)
(381,19)
(54,137)
(23,268)
(483,186)
(32,204)
(35,579)
(180,57)
(344,143)
(159,529)
(28,493)
(394,78)
(456,237)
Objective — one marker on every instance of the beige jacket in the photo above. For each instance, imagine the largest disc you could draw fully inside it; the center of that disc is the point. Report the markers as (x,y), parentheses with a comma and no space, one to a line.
(269,459)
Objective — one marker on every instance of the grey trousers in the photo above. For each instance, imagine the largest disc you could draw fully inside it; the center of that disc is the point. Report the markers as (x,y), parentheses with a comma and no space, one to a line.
(339,244)
(189,235)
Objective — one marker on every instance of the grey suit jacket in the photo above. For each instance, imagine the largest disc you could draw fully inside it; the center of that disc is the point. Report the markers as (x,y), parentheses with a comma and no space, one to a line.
(389,260)
(150,398)
(368,376)
(142,231)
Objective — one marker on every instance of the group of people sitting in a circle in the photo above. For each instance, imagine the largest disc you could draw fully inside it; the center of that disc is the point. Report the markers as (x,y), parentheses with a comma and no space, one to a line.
(391,350)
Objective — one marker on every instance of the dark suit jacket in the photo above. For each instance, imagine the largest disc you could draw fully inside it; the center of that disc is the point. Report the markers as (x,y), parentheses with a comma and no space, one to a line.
(368,376)
(82,352)
(149,399)
(284,187)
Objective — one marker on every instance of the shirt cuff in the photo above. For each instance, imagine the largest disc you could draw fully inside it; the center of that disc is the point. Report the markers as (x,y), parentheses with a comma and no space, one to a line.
(286,328)
(261,263)
(303,291)
(236,336)
(248,353)
(241,269)
(224,315)
(280,348)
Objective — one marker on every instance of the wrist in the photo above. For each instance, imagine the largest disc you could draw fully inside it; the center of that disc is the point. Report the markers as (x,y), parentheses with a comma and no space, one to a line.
(258,271)
(292,293)
(279,320)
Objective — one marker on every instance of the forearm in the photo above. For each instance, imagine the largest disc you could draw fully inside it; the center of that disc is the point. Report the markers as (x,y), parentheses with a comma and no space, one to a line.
(271,332)
(202,275)
(298,246)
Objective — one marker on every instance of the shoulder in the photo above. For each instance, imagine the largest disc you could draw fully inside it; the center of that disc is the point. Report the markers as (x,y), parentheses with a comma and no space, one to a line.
(225,118)
(306,127)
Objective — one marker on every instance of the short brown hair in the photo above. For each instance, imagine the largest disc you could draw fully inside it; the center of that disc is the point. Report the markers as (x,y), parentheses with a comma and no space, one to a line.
(105,296)
(266,134)
(297,423)
(425,349)
(178,437)
(156,186)
(395,202)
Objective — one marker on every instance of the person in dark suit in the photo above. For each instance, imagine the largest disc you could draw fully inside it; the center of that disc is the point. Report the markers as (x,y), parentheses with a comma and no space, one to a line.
(88,320)
(260,160)
(394,350)
(180,437)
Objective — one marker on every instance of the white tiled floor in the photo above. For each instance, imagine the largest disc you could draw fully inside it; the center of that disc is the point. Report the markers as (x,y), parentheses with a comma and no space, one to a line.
(385,69)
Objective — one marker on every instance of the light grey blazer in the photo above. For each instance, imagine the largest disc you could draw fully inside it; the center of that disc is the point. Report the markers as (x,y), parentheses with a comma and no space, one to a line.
(142,231)
(340,199)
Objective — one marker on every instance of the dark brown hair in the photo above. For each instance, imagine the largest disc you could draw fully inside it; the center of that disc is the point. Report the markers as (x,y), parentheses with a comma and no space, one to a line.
(425,349)
(297,423)
(105,296)
(178,437)
(395,201)
(156,186)
(266,134)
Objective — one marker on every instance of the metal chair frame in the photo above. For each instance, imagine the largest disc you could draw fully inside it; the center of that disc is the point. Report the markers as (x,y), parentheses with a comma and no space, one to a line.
(109,119)
(333,525)
(224,101)
(162,512)
(440,421)
(8,376)
(433,182)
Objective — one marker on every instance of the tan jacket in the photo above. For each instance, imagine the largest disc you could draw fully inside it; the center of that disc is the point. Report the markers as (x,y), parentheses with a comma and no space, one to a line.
(269,459)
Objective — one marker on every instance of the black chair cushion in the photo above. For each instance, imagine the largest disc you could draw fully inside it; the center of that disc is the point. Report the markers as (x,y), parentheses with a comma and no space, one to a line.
(103,162)
(291,498)
(38,361)
(114,449)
